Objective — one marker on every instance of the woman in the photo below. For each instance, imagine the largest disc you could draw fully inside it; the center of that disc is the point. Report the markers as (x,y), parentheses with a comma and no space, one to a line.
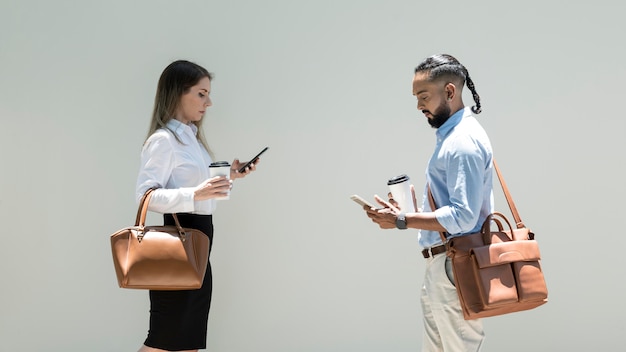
(175,159)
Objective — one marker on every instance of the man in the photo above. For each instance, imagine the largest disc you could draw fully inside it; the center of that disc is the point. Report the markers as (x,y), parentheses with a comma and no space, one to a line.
(459,175)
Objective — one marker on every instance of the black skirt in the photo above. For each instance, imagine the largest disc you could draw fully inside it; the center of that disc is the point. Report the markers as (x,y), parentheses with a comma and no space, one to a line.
(178,319)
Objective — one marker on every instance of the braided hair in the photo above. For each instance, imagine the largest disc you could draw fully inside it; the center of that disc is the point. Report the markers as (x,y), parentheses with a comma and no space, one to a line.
(442,65)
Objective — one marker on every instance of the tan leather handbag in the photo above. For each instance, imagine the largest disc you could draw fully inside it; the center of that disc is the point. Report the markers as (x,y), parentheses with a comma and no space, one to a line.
(496,272)
(159,257)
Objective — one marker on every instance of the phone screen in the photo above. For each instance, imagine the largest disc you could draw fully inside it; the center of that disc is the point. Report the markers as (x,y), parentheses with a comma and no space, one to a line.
(253,160)
(361,201)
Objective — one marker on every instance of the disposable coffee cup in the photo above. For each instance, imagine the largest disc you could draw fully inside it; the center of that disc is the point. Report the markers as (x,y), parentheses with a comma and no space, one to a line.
(400,188)
(220,168)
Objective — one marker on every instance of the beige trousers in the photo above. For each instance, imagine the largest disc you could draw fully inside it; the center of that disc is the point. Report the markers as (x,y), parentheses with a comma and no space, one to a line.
(445,330)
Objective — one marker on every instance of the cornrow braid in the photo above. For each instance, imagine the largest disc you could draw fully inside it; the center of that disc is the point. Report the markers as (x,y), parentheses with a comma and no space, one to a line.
(477,109)
(441,65)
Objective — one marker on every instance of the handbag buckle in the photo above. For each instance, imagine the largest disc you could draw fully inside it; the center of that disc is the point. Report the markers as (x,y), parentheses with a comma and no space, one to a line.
(140,233)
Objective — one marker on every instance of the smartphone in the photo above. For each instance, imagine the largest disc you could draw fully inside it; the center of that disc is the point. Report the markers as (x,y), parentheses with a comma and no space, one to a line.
(361,201)
(253,160)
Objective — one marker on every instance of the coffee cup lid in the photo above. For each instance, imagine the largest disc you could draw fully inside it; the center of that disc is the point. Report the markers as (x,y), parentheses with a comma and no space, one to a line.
(219,164)
(397,179)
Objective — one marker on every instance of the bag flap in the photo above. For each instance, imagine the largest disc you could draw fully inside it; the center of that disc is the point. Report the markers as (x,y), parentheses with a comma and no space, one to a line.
(506,252)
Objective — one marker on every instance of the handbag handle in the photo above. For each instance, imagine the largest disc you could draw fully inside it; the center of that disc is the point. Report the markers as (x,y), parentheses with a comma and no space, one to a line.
(140,220)
(518,221)
(486,229)
(142,210)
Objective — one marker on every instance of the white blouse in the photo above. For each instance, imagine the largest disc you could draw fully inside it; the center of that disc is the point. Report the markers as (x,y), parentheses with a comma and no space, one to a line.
(176,169)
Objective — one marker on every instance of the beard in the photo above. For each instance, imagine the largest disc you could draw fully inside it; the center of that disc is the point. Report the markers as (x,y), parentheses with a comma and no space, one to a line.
(440,116)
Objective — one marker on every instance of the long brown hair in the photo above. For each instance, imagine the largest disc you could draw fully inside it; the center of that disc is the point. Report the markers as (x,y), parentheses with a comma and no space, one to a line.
(177,78)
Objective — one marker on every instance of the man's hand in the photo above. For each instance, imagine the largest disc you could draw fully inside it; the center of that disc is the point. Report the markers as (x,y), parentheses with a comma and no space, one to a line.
(395,204)
(386,216)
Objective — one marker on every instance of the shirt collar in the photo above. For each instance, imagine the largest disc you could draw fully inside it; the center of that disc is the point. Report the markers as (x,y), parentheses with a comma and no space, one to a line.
(179,128)
(453,121)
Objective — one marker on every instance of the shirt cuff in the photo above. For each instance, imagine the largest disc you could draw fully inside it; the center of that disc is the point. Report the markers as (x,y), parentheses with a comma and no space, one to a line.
(445,218)
(187,197)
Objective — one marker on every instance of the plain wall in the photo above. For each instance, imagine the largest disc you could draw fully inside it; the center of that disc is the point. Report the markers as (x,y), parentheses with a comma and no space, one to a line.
(327,86)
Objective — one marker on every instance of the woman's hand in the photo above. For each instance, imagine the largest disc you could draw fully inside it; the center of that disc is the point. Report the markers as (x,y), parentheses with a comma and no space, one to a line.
(214,187)
(236,165)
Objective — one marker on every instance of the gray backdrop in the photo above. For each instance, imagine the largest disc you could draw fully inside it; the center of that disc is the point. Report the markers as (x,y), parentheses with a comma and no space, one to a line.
(327,86)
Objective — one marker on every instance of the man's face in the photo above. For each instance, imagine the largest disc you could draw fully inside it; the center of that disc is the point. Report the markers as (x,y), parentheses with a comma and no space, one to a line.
(431,99)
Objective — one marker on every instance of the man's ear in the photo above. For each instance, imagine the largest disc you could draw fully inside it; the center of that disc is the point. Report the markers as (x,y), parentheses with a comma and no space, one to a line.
(449,91)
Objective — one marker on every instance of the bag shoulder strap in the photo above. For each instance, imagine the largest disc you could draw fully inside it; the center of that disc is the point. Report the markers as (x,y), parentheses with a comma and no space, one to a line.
(518,221)
(433,206)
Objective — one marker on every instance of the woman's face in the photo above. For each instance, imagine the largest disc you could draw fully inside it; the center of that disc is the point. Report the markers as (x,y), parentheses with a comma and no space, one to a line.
(194,103)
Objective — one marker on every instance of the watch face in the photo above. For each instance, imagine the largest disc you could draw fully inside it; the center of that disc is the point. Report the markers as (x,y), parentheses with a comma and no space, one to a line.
(401,222)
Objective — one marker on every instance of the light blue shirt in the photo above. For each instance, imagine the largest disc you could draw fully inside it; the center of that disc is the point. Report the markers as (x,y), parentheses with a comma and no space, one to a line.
(460,177)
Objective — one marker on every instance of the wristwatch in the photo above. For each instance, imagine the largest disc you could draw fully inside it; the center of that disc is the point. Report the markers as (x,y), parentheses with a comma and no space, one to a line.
(401,221)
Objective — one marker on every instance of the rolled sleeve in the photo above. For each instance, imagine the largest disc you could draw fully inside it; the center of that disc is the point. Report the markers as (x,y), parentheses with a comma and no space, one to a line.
(466,175)
(453,220)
